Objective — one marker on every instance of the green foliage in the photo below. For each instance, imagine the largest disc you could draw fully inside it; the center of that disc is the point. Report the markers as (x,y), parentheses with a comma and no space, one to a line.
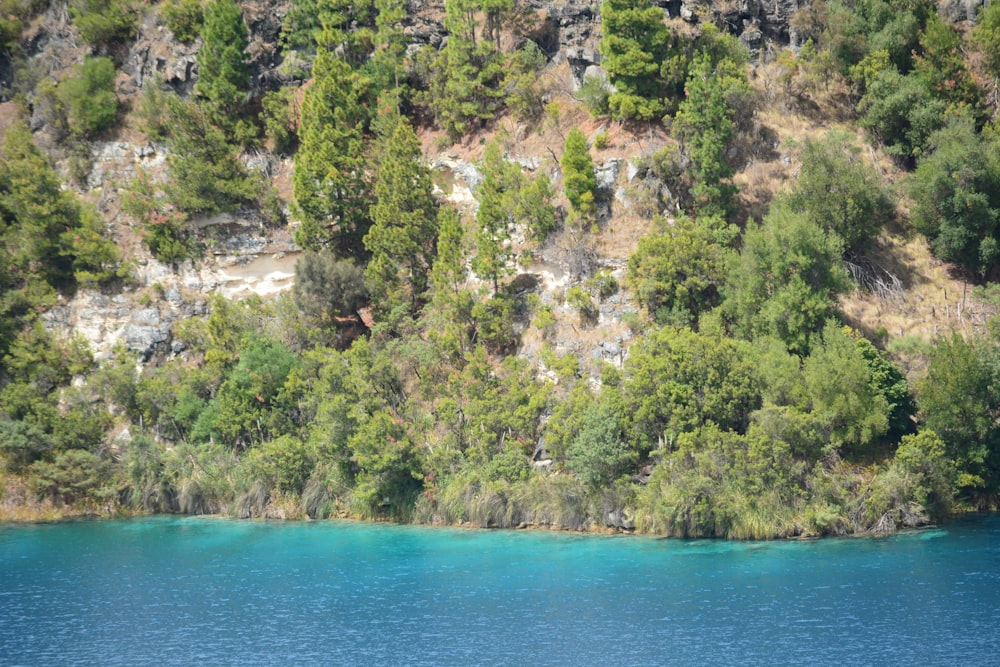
(88,94)
(635,44)
(579,180)
(22,444)
(49,240)
(839,193)
(10,25)
(285,463)
(986,37)
(677,271)
(206,173)
(466,86)
(580,300)
(956,194)
(105,23)
(151,108)
(223,77)
(524,95)
(448,272)
(941,65)
(705,123)
(327,288)
(332,196)
(604,283)
(534,207)
(890,383)
(184,18)
(497,195)
(96,259)
(280,117)
(165,234)
(914,488)
(722,484)
(594,93)
(494,320)
(404,224)
(958,401)
(784,280)
(72,476)
(237,415)
(839,386)
(676,380)
(901,112)
(598,454)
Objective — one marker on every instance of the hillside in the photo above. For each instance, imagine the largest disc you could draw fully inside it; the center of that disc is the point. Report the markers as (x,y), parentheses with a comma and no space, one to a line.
(690,270)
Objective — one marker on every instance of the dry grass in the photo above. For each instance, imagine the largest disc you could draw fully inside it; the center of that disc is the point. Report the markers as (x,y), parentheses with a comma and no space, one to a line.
(934,300)
(786,113)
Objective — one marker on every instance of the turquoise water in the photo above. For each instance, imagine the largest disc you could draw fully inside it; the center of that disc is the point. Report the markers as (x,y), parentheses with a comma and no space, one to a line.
(191,591)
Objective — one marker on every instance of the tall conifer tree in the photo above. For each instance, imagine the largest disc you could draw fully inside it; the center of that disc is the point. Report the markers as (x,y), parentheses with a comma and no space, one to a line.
(635,46)
(332,198)
(404,220)
(223,77)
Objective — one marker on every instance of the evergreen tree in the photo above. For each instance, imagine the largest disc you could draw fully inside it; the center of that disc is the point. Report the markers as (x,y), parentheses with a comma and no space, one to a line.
(578,172)
(48,240)
(677,270)
(386,65)
(783,282)
(986,36)
(636,46)
(902,113)
(104,23)
(327,288)
(839,192)
(206,174)
(404,221)
(494,218)
(956,192)
(466,86)
(941,65)
(332,198)
(705,123)
(89,96)
(223,77)
(448,273)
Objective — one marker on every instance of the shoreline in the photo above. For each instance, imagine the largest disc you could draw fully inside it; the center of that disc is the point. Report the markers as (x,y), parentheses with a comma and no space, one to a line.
(51,515)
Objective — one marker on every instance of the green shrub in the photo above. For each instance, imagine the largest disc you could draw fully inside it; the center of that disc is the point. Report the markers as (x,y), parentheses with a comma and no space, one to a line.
(88,94)
(105,22)
(580,300)
(184,18)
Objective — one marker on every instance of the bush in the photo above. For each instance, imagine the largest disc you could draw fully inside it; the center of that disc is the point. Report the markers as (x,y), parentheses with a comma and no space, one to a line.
(581,301)
(578,172)
(594,93)
(88,95)
(280,119)
(73,476)
(839,192)
(105,22)
(184,18)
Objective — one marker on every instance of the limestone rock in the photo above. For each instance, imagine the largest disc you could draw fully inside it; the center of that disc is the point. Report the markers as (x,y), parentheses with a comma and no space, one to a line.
(607,176)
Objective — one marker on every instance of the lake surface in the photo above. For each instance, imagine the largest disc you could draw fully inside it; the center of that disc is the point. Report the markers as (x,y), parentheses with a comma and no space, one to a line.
(192,591)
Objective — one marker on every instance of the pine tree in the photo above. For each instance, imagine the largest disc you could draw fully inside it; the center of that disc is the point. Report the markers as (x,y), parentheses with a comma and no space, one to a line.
(495,216)
(404,221)
(469,72)
(332,198)
(635,46)
(223,77)
(578,172)
(448,272)
(705,123)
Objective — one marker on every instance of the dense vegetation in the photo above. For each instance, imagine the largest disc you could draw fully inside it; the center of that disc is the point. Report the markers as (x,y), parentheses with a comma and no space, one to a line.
(388,384)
